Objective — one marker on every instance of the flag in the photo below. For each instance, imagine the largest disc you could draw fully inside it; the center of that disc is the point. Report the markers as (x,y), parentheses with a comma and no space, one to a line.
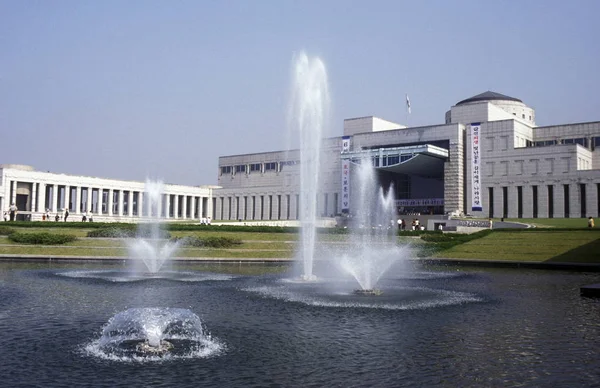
(407,103)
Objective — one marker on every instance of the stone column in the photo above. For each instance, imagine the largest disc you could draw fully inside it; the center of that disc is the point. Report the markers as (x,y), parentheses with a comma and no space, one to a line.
(130,203)
(559,201)
(67,197)
(528,201)
(120,205)
(33,197)
(100,200)
(78,200)
(110,202)
(54,207)
(592,200)
(13,197)
(193,204)
(513,211)
(200,206)
(88,204)
(184,207)
(167,200)
(542,190)
(167,205)
(140,204)
(176,206)
(575,201)
(42,198)
(243,211)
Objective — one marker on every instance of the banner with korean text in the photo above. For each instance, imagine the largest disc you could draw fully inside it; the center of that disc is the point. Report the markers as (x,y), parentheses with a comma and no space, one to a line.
(476,167)
(345,185)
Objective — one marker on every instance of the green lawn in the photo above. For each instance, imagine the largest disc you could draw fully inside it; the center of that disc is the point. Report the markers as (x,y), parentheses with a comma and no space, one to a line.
(538,244)
(531,245)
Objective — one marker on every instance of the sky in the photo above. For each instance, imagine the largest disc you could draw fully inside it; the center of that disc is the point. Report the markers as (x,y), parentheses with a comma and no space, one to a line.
(143,89)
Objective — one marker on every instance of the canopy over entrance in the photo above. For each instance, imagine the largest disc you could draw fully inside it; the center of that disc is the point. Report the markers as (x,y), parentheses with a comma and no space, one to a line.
(424,160)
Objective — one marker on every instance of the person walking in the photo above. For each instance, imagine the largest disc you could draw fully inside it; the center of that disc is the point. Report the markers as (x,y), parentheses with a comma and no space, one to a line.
(591,222)
(12,212)
(66,214)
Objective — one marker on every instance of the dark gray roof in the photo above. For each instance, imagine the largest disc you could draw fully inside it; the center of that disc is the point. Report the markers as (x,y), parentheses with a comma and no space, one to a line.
(487,96)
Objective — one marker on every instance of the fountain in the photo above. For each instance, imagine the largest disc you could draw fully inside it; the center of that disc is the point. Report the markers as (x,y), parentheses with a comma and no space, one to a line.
(309,109)
(371,252)
(372,247)
(149,247)
(153,333)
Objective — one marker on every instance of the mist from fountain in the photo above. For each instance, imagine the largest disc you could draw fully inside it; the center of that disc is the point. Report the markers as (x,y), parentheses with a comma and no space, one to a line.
(308,112)
(154,334)
(372,247)
(150,246)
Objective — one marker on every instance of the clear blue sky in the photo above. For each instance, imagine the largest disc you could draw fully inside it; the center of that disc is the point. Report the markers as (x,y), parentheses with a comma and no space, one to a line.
(135,89)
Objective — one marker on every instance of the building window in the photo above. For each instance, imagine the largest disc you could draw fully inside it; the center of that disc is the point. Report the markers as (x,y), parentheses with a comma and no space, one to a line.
(566,164)
(504,168)
(490,143)
(523,115)
(272,166)
(240,168)
(225,170)
(490,168)
(519,167)
(550,165)
(255,167)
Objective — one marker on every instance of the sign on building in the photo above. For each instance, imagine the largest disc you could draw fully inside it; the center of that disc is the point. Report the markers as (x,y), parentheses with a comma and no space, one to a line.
(476,167)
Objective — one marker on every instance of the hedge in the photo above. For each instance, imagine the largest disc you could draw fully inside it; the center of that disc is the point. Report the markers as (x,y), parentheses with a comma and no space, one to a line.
(41,238)
(208,242)
(144,231)
(5,230)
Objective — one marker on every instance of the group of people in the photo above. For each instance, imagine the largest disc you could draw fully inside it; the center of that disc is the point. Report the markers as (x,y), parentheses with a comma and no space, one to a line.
(205,221)
(65,216)
(11,214)
(415,224)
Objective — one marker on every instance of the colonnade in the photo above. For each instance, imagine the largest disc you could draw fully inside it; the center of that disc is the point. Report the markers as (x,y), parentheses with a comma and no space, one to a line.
(55,198)
(561,200)
(270,206)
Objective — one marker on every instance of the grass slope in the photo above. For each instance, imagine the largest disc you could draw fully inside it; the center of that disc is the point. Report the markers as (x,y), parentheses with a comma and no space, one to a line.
(581,246)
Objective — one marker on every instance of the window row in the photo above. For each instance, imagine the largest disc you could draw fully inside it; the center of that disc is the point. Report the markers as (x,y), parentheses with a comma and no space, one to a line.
(257,167)
(536,166)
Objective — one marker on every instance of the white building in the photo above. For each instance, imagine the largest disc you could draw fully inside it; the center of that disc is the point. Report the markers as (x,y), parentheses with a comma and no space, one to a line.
(488,159)
(107,200)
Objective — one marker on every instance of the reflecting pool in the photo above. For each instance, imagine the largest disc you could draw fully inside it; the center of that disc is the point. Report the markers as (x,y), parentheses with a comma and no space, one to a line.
(249,325)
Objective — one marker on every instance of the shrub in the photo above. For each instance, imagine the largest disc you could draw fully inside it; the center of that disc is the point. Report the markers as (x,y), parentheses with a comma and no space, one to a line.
(5,230)
(41,238)
(207,242)
(111,232)
(127,232)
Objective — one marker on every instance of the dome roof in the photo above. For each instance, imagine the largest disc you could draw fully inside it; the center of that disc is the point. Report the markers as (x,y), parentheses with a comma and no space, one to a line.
(488,96)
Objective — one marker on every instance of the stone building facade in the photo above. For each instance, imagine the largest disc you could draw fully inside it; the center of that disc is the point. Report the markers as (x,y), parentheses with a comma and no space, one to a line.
(107,200)
(489,159)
